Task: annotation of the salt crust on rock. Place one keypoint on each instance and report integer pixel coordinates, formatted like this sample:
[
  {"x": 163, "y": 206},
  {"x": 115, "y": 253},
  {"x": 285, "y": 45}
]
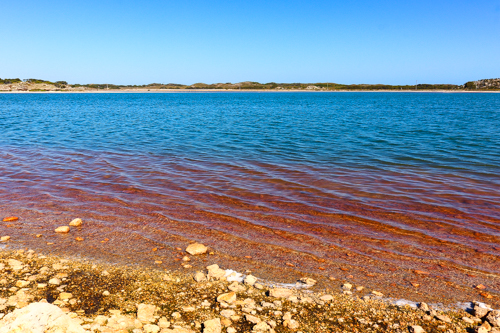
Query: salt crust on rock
[{"x": 39, "y": 318}]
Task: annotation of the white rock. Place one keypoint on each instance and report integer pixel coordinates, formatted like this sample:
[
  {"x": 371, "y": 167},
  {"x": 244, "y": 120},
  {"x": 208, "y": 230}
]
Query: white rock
[
  {"x": 326, "y": 298},
  {"x": 39, "y": 318}
]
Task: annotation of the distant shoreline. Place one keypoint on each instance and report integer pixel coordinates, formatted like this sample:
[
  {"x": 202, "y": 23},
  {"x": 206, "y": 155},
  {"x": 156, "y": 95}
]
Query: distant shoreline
[{"x": 115, "y": 91}]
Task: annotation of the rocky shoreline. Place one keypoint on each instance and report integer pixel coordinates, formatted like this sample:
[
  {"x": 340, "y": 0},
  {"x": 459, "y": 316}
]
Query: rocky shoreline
[{"x": 49, "y": 294}]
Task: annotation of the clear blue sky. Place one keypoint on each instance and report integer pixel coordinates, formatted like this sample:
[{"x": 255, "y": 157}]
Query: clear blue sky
[{"x": 138, "y": 42}]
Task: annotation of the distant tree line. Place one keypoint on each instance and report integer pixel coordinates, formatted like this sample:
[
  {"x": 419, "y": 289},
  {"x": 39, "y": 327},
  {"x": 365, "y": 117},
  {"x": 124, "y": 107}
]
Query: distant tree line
[{"x": 490, "y": 84}]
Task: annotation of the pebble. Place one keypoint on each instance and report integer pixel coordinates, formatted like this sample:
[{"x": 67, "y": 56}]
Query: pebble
[
  {"x": 55, "y": 281},
  {"x": 4, "y": 238},
  {"x": 10, "y": 218},
  {"x": 252, "y": 319},
  {"x": 347, "y": 286},
  {"x": 76, "y": 222},
  {"x": 65, "y": 296},
  {"x": 64, "y": 229},
  {"x": 196, "y": 249}
]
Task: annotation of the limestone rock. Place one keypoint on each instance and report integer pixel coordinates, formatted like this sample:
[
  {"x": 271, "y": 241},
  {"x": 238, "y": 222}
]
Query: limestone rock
[
  {"x": 55, "y": 281},
  {"x": 308, "y": 281},
  {"x": 494, "y": 318},
  {"x": 347, "y": 286},
  {"x": 481, "y": 329},
  {"x": 280, "y": 292},
  {"x": 326, "y": 298},
  {"x": 227, "y": 313},
  {"x": 252, "y": 319},
  {"x": 261, "y": 327},
  {"x": 236, "y": 287},
  {"x": 212, "y": 326},
  {"x": 416, "y": 329},
  {"x": 444, "y": 318},
  {"x": 250, "y": 280},
  {"x": 479, "y": 311},
  {"x": 164, "y": 322},
  {"x": 145, "y": 312},
  {"x": 176, "y": 330},
  {"x": 76, "y": 222},
  {"x": 291, "y": 324},
  {"x": 228, "y": 297},
  {"x": 423, "y": 306},
  {"x": 39, "y": 318},
  {"x": 65, "y": 295},
  {"x": 22, "y": 283},
  {"x": 215, "y": 272},
  {"x": 63, "y": 230},
  {"x": 199, "y": 277},
  {"x": 4, "y": 238},
  {"x": 196, "y": 248},
  {"x": 15, "y": 264},
  {"x": 149, "y": 328}
]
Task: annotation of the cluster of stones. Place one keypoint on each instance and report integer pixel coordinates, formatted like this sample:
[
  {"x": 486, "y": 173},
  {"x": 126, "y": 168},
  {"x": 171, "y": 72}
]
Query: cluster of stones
[
  {"x": 488, "y": 319},
  {"x": 62, "y": 229},
  {"x": 209, "y": 302}
]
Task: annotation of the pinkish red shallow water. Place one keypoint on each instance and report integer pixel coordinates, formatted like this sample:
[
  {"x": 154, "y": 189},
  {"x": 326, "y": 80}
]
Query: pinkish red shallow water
[{"x": 373, "y": 227}]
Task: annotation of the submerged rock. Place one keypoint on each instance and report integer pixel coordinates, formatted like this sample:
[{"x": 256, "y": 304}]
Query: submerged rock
[
  {"x": 196, "y": 248},
  {"x": 76, "y": 222}
]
